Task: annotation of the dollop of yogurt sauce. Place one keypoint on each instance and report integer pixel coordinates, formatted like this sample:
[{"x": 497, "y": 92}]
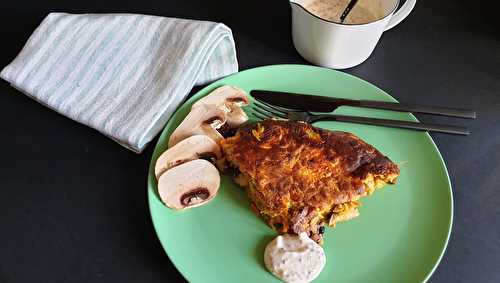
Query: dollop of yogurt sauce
[{"x": 294, "y": 258}]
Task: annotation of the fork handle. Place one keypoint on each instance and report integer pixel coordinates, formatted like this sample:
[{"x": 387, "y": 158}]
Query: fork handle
[
  {"x": 415, "y": 108},
  {"x": 392, "y": 123}
]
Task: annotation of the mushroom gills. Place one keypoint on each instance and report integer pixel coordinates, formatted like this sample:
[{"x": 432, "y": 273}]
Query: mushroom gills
[
  {"x": 230, "y": 100},
  {"x": 236, "y": 116},
  {"x": 208, "y": 156},
  {"x": 195, "y": 196},
  {"x": 189, "y": 185},
  {"x": 238, "y": 101},
  {"x": 191, "y": 148},
  {"x": 203, "y": 120}
]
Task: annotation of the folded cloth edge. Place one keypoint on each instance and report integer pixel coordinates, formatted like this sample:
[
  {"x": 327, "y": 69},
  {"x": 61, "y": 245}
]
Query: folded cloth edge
[{"x": 155, "y": 126}]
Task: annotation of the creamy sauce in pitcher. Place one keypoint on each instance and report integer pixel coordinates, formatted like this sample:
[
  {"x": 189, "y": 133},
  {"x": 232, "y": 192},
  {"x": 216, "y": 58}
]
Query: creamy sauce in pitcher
[{"x": 332, "y": 10}]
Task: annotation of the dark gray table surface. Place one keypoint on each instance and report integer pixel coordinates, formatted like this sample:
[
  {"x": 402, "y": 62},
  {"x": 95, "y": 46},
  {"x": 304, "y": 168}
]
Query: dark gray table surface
[{"x": 73, "y": 203}]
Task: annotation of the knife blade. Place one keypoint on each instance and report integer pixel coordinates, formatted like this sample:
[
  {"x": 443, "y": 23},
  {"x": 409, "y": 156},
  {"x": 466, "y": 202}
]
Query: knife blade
[{"x": 316, "y": 103}]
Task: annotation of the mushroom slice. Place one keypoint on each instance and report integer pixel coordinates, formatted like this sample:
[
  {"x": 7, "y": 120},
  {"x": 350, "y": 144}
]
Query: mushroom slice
[
  {"x": 188, "y": 185},
  {"x": 203, "y": 120},
  {"x": 194, "y": 147},
  {"x": 230, "y": 99}
]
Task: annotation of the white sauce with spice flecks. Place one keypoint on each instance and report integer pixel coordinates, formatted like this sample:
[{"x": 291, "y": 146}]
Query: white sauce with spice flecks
[{"x": 294, "y": 258}]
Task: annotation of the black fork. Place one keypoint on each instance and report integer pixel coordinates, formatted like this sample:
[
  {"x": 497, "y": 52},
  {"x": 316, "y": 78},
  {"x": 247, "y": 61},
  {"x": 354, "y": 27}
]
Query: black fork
[{"x": 263, "y": 110}]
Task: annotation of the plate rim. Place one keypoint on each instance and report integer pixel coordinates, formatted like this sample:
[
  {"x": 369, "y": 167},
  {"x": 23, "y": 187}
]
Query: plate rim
[{"x": 193, "y": 98}]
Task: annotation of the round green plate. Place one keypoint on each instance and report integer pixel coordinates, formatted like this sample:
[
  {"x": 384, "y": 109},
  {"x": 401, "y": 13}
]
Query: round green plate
[{"x": 400, "y": 235}]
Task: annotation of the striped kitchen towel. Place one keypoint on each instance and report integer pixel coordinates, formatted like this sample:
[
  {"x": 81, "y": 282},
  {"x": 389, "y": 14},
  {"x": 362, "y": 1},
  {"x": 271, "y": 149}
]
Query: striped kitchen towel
[{"x": 121, "y": 74}]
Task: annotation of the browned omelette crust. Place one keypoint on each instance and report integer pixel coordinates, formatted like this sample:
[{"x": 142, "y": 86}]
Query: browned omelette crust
[{"x": 300, "y": 178}]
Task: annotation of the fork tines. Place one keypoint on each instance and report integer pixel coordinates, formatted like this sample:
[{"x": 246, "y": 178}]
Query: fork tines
[{"x": 264, "y": 110}]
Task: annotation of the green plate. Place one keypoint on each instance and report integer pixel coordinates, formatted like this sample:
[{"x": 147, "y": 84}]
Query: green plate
[{"x": 400, "y": 235}]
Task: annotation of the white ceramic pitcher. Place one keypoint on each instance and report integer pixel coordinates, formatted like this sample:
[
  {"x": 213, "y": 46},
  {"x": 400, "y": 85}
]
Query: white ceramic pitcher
[{"x": 339, "y": 45}]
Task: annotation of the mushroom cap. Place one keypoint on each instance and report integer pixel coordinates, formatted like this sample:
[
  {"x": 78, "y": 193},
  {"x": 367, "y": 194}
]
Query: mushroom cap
[
  {"x": 230, "y": 99},
  {"x": 194, "y": 147},
  {"x": 203, "y": 120},
  {"x": 189, "y": 185},
  {"x": 222, "y": 95}
]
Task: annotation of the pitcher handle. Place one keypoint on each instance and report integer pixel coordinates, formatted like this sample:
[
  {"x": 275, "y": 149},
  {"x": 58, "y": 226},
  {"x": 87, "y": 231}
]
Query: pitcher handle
[{"x": 401, "y": 14}]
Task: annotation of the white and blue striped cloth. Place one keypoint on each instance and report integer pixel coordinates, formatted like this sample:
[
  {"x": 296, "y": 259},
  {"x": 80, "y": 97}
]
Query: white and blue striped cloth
[{"x": 121, "y": 74}]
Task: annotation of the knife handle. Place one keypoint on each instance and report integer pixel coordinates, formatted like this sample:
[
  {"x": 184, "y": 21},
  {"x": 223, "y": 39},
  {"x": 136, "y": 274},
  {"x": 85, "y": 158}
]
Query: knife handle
[
  {"x": 317, "y": 103},
  {"x": 415, "y": 108},
  {"x": 392, "y": 123}
]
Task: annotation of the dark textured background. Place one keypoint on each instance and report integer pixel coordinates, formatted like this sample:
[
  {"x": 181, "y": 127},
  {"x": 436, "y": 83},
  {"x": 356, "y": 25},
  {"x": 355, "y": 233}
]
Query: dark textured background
[{"x": 73, "y": 203}]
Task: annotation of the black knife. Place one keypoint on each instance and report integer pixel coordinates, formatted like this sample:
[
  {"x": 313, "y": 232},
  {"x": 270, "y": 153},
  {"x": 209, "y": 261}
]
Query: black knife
[{"x": 316, "y": 103}]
